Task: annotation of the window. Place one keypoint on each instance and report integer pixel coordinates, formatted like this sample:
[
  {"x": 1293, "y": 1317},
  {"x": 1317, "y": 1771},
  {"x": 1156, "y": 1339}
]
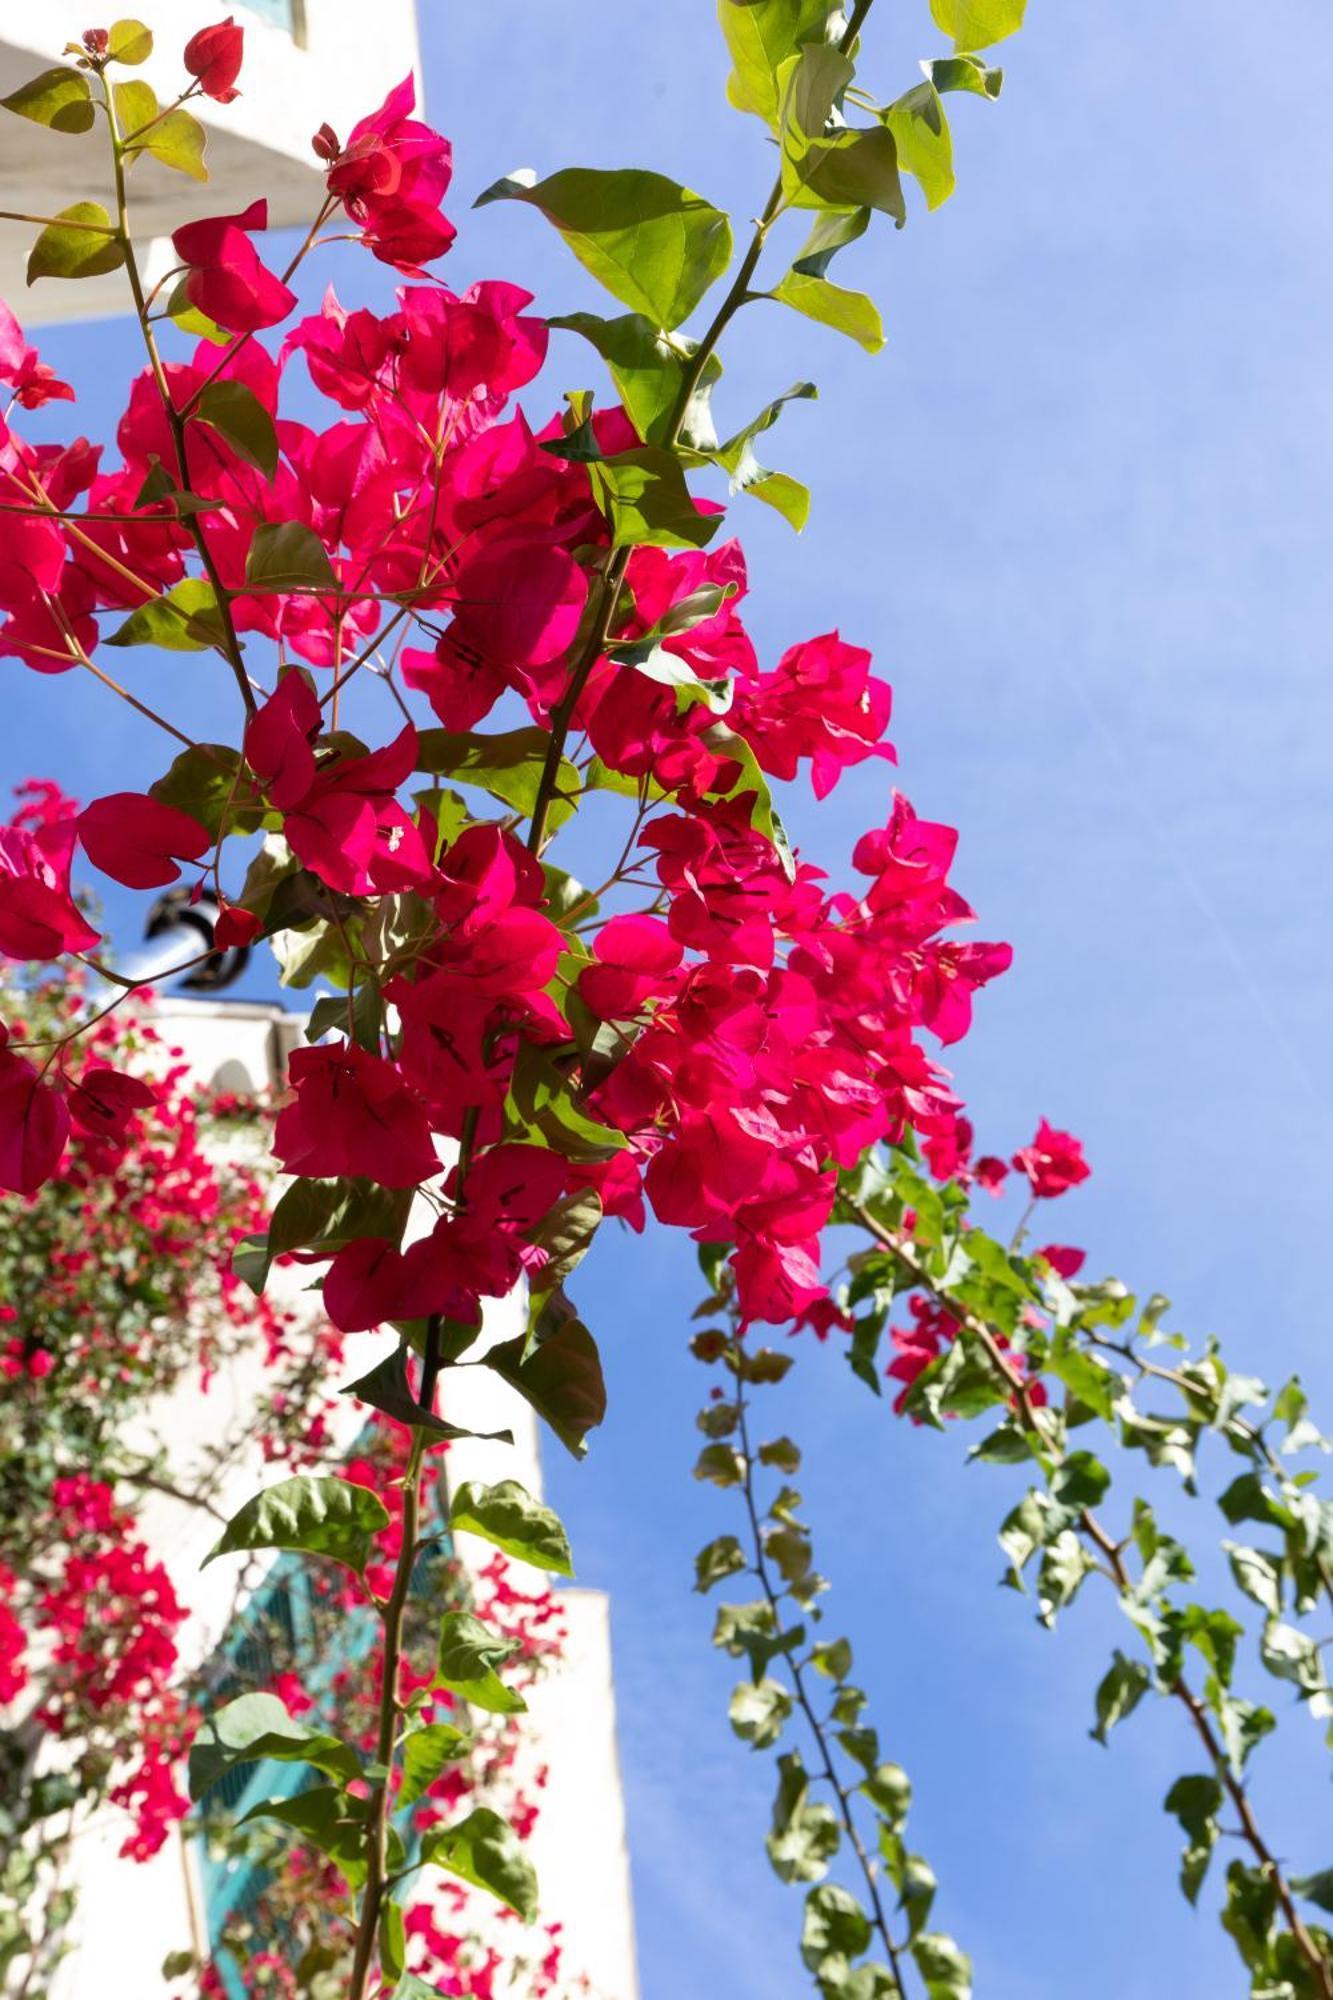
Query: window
[{"x": 283, "y": 1628}]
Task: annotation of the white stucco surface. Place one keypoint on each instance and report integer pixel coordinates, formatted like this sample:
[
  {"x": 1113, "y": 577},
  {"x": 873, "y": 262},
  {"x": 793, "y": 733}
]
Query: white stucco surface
[{"x": 131, "y": 1916}]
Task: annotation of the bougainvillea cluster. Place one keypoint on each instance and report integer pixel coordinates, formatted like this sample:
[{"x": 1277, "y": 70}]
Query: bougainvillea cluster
[
  {"x": 455, "y": 1940},
  {"x": 522, "y": 615},
  {"x": 115, "y": 1287},
  {"x": 1051, "y": 1164}
]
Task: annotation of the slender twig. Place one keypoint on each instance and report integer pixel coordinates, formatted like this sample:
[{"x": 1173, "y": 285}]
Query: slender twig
[
  {"x": 1030, "y": 1418},
  {"x": 816, "y": 1726},
  {"x": 175, "y": 420},
  {"x": 738, "y": 294}
]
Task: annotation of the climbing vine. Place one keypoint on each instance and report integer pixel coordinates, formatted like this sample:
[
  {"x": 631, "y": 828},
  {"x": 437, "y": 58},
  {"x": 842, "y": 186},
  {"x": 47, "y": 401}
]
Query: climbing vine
[{"x": 508, "y": 1056}]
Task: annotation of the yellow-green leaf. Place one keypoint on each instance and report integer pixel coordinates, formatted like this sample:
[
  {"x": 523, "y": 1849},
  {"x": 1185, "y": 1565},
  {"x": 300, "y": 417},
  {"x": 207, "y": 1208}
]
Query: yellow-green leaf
[
  {"x": 60, "y": 98},
  {"x": 129, "y": 42},
  {"x": 975, "y": 24},
  {"x": 846, "y": 312},
  {"x": 921, "y": 133},
  {"x": 80, "y": 243},
  {"x": 179, "y": 141},
  {"x": 656, "y": 246}
]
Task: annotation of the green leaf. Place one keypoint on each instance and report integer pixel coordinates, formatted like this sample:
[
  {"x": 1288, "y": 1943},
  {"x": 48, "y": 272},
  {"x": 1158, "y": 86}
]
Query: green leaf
[
  {"x": 810, "y": 84},
  {"x": 327, "y": 1215},
  {"x": 1080, "y": 1480},
  {"x": 179, "y": 141},
  {"x": 758, "y": 1711},
  {"x": 566, "y": 1234},
  {"x": 1258, "y": 1574},
  {"x": 846, "y": 312},
  {"x": 508, "y": 1516},
  {"x": 322, "y": 1517},
  {"x": 803, "y": 1836},
  {"x": 644, "y": 496},
  {"x": 781, "y": 1453},
  {"x": 328, "y": 1820},
  {"x": 185, "y": 620},
  {"x": 562, "y": 1379},
  {"x": 136, "y": 105},
  {"x": 508, "y": 765},
  {"x": 205, "y": 782},
  {"x": 386, "y": 1387},
  {"x": 409, "y": 1987},
  {"x": 1122, "y": 1688},
  {"x": 964, "y": 73},
  {"x": 654, "y": 245},
  {"x": 1195, "y": 1801},
  {"x": 286, "y": 555},
  {"x": 761, "y": 35},
  {"x": 921, "y": 134},
  {"x": 738, "y": 458},
  {"x": 975, "y": 24},
  {"x": 889, "y": 1790},
  {"x": 648, "y": 368},
  {"x": 392, "y": 1939},
  {"x": 81, "y": 243},
  {"x": 255, "y": 1728},
  {"x": 720, "y": 1464},
  {"x": 237, "y": 414},
  {"x": 721, "y": 1558},
  {"x": 1292, "y": 1655},
  {"x": 946, "y": 1970},
  {"x": 60, "y": 98},
  {"x": 851, "y": 170},
  {"x": 1251, "y": 1907},
  {"x": 484, "y": 1849},
  {"x": 835, "y": 1928},
  {"x": 128, "y": 42},
  {"x": 469, "y": 1654},
  {"x": 829, "y": 233},
  {"x": 426, "y": 1751},
  {"x": 542, "y": 1110}
]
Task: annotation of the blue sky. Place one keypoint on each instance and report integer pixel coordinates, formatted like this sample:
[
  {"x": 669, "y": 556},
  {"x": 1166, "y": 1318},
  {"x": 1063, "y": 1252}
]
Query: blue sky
[{"x": 1080, "y": 509}]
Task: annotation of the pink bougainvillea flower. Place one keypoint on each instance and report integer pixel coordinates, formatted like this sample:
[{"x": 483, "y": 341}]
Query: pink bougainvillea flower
[
  {"x": 990, "y": 1173},
  {"x": 278, "y": 741},
  {"x": 350, "y": 829},
  {"x": 517, "y": 607},
  {"x": 1064, "y": 1259},
  {"x": 39, "y": 918},
  {"x": 235, "y": 926},
  {"x": 473, "y": 1254},
  {"x": 820, "y": 705},
  {"x": 391, "y": 177},
  {"x": 226, "y": 279},
  {"x": 635, "y": 958},
  {"x": 26, "y": 373},
  {"x": 34, "y": 1125},
  {"x": 353, "y": 1114},
  {"x": 1053, "y": 1162},
  {"x": 213, "y": 58},
  {"x": 139, "y": 841},
  {"x": 104, "y": 1100}
]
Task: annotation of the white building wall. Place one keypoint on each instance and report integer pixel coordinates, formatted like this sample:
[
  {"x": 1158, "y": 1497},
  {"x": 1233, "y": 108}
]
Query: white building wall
[
  {"x": 132, "y": 1915},
  {"x": 349, "y": 54}
]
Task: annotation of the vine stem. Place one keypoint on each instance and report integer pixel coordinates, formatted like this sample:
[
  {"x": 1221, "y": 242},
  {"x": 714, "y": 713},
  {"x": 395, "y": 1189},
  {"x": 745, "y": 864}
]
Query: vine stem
[
  {"x": 386, "y": 1741},
  {"x": 816, "y": 1726},
  {"x": 1191, "y": 1391},
  {"x": 738, "y": 294},
  {"x": 394, "y": 1613},
  {"x": 175, "y": 421},
  {"x": 1109, "y": 1549}
]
